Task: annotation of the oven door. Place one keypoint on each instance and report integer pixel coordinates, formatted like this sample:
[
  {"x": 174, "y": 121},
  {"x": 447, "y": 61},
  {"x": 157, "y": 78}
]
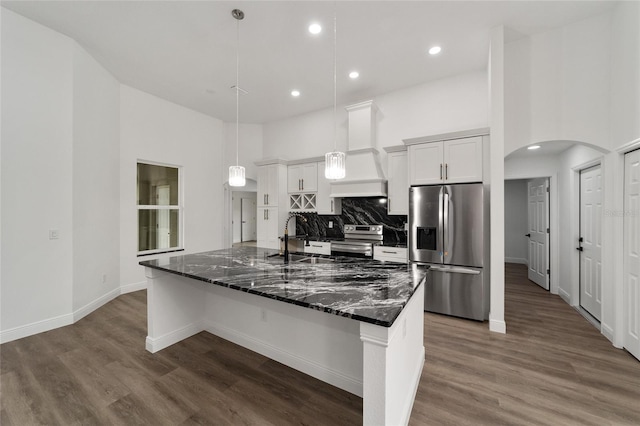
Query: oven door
[{"x": 345, "y": 248}]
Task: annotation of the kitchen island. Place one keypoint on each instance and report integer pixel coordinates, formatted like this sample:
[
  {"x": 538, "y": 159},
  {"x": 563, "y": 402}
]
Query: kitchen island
[{"x": 356, "y": 324}]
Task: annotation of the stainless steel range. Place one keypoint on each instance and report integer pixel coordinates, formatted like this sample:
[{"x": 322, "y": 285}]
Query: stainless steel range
[{"x": 358, "y": 240}]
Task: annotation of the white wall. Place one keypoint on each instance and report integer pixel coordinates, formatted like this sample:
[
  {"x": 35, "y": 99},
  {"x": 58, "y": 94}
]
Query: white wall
[
  {"x": 96, "y": 183},
  {"x": 515, "y": 221},
  {"x": 37, "y": 141},
  {"x": 625, "y": 73},
  {"x": 153, "y": 129},
  {"x": 446, "y": 105},
  {"x": 558, "y": 85}
]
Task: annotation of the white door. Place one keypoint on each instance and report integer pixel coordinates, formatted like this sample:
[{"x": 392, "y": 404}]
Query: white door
[
  {"x": 590, "y": 240},
  {"x": 248, "y": 219},
  {"x": 631, "y": 281},
  {"x": 163, "y": 224},
  {"x": 538, "y": 219}
]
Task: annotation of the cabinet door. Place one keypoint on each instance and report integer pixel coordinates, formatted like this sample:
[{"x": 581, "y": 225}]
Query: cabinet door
[
  {"x": 263, "y": 185},
  {"x": 294, "y": 179},
  {"x": 463, "y": 160},
  {"x": 310, "y": 177},
  {"x": 267, "y": 228},
  {"x": 273, "y": 188},
  {"x": 398, "y": 198},
  {"x": 425, "y": 164},
  {"x": 324, "y": 203}
]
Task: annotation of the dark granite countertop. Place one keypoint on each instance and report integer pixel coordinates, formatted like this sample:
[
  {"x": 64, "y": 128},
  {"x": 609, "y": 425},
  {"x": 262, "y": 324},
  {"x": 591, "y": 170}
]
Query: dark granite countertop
[{"x": 362, "y": 289}]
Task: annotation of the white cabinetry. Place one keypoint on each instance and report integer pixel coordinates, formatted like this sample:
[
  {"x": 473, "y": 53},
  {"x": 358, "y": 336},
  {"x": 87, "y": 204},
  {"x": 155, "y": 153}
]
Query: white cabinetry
[
  {"x": 325, "y": 204},
  {"x": 318, "y": 247},
  {"x": 390, "y": 254},
  {"x": 271, "y": 184},
  {"x": 272, "y": 202},
  {"x": 450, "y": 161},
  {"x": 302, "y": 178},
  {"x": 267, "y": 227},
  {"x": 398, "y": 185}
]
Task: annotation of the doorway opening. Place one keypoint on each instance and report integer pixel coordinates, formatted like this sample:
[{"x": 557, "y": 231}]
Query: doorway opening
[{"x": 527, "y": 228}]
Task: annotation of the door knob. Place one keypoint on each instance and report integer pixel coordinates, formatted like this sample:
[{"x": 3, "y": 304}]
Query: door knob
[
  {"x": 579, "y": 249},
  {"x": 528, "y": 235}
]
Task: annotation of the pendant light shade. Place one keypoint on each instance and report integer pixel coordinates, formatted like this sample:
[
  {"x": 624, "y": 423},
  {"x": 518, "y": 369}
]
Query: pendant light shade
[
  {"x": 335, "y": 162},
  {"x": 334, "y": 165},
  {"x": 236, "y": 173},
  {"x": 236, "y": 176}
]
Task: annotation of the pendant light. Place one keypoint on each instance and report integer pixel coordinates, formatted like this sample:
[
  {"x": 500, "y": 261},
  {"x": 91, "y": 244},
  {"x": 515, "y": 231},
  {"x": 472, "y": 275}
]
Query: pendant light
[
  {"x": 236, "y": 173},
  {"x": 335, "y": 161}
]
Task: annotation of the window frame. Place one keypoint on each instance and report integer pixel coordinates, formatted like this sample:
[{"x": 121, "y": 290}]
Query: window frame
[{"x": 179, "y": 208}]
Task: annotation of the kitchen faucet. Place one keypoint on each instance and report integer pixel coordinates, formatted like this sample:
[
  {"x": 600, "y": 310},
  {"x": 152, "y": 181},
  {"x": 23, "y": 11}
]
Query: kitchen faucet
[{"x": 286, "y": 234}]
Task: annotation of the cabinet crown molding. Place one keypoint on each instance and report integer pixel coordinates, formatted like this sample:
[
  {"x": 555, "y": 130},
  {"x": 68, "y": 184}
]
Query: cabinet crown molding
[{"x": 482, "y": 131}]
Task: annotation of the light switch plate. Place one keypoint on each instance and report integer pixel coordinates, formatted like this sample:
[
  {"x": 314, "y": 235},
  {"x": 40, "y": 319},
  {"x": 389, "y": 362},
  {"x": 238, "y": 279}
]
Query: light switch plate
[{"x": 54, "y": 234}]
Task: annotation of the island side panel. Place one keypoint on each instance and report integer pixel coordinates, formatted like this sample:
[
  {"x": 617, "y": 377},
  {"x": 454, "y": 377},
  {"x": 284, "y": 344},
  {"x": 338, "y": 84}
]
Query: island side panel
[
  {"x": 175, "y": 308},
  {"x": 320, "y": 344},
  {"x": 393, "y": 362}
]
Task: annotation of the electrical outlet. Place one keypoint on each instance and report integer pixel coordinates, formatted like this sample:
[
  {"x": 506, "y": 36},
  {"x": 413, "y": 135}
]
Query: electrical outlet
[
  {"x": 330, "y": 224},
  {"x": 54, "y": 234},
  {"x": 263, "y": 315},
  {"x": 104, "y": 278},
  {"x": 404, "y": 328}
]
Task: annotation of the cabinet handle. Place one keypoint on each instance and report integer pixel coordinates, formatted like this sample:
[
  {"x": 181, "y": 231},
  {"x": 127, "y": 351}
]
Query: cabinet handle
[
  {"x": 440, "y": 171},
  {"x": 302, "y": 184},
  {"x": 446, "y": 171},
  {"x": 267, "y": 214},
  {"x": 389, "y": 252},
  {"x": 267, "y": 203},
  {"x": 264, "y": 215},
  {"x": 388, "y": 204},
  {"x": 264, "y": 199},
  {"x": 332, "y": 206}
]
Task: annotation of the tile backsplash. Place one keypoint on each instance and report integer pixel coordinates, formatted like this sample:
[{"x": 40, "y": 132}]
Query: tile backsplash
[{"x": 358, "y": 211}]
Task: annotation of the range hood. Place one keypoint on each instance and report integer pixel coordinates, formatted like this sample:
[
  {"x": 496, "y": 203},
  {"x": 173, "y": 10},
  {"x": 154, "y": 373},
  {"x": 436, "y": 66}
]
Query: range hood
[{"x": 364, "y": 175}]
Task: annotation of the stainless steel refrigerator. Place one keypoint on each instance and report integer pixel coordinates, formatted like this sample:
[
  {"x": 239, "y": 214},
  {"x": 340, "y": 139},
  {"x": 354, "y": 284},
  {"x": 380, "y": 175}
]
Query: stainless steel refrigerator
[{"x": 447, "y": 231}]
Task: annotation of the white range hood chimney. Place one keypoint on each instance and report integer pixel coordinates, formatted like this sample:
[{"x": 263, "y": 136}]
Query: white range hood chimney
[{"x": 364, "y": 177}]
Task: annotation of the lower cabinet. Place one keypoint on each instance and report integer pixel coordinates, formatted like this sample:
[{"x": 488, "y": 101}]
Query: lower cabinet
[
  {"x": 267, "y": 228},
  {"x": 390, "y": 254},
  {"x": 317, "y": 247}
]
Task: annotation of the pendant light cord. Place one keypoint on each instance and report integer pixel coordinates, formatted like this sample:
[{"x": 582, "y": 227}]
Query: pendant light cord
[
  {"x": 335, "y": 79},
  {"x": 237, "y": 90}
]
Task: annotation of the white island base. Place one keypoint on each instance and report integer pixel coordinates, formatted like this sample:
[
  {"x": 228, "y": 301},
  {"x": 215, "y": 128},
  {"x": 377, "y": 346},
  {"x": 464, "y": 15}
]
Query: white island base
[{"x": 381, "y": 364}]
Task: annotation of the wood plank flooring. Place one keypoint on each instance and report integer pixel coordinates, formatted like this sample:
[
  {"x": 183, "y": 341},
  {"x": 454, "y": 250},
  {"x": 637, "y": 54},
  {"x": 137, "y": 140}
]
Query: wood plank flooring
[{"x": 552, "y": 368}]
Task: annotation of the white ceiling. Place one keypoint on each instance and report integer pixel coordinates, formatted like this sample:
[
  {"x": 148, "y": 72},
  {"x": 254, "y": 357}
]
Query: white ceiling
[{"x": 184, "y": 51}]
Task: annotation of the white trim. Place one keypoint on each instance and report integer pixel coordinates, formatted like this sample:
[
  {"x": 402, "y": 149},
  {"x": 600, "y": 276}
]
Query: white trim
[
  {"x": 35, "y": 328},
  {"x": 95, "y": 304},
  {"x": 294, "y": 361},
  {"x": 129, "y": 288},
  {"x": 154, "y": 345},
  {"x": 497, "y": 326},
  {"x": 628, "y": 147},
  {"x": 516, "y": 260},
  {"x": 408, "y": 406},
  {"x": 564, "y": 296}
]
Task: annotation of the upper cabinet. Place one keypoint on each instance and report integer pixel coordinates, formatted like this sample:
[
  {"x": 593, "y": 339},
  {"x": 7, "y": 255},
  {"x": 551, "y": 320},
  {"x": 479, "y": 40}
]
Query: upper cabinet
[
  {"x": 450, "y": 161},
  {"x": 398, "y": 181},
  {"x": 302, "y": 178},
  {"x": 271, "y": 184}
]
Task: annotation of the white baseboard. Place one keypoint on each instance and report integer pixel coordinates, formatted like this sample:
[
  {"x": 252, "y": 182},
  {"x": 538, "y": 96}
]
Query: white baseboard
[
  {"x": 159, "y": 343},
  {"x": 128, "y": 288},
  {"x": 607, "y": 331},
  {"x": 516, "y": 260},
  {"x": 497, "y": 326},
  {"x": 92, "y": 306},
  {"x": 565, "y": 296},
  {"x": 35, "y": 328},
  {"x": 409, "y": 403},
  {"x": 309, "y": 367}
]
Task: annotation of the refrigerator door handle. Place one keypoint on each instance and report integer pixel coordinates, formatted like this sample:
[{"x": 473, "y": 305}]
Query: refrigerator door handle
[
  {"x": 440, "y": 236},
  {"x": 445, "y": 229},
  {"x": 455, "y": 270}
]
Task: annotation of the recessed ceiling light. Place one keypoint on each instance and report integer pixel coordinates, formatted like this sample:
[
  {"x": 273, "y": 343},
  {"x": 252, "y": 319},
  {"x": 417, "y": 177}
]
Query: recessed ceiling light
[
  {"x": 533, "y": 147},
  {"x": 354, "y": 74},
  {"x": 315, "y": 28},
  {"x": 295, "y": 93},
  {"x": 435, "y": 50}
]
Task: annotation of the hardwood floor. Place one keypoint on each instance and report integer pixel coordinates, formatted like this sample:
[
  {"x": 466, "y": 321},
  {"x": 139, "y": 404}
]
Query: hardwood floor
[{"x": 552, "y": 368}]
